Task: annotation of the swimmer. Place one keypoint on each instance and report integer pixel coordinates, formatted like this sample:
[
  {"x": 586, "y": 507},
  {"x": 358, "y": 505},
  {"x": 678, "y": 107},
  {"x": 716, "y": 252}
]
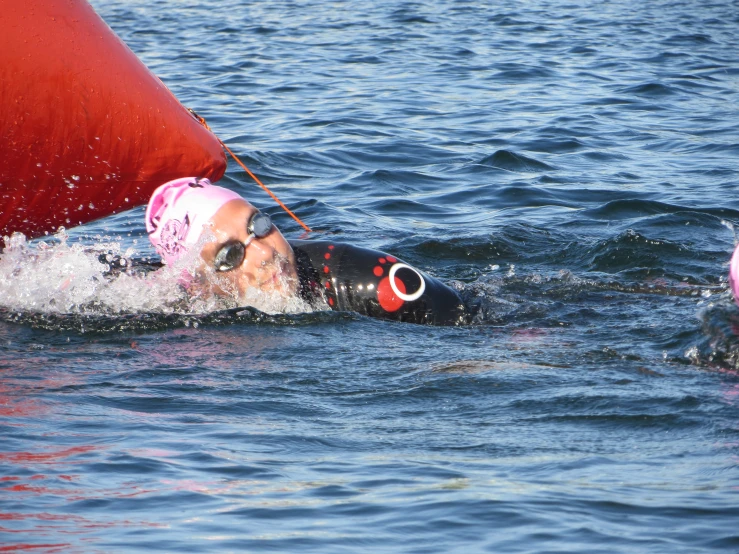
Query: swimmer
[{"x": 236, "y": 248}]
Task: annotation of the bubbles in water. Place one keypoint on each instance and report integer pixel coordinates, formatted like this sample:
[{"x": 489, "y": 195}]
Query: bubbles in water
[{"x": 692, "y": 354}]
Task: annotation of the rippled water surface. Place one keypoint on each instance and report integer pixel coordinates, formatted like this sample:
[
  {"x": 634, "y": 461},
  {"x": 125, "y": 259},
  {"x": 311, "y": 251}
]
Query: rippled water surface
[{"x": 571, "y": 167}]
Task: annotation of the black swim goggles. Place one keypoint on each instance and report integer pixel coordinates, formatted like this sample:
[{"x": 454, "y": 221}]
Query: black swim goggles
[{"x": 232, "y": 254}]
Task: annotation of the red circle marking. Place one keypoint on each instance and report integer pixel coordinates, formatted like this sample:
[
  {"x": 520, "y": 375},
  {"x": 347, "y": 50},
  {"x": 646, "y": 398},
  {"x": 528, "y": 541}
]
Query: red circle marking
[
  {"x": 382, "y": 260},
  {"x": 326, "y": 269},
  {"x": 330, "y": 301},
  {"x": 377, "y": 271},
  {"x": 330, "y": 246},
  {"x": 328, "y": 285},
  {"x": 391, "y": 259},
  {"x": 386, "y": 297},
  {"x": 327, "y": 255}
]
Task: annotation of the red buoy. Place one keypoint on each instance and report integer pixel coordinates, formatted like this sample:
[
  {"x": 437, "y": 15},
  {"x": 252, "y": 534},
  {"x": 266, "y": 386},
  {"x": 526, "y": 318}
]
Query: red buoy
[{"x": 86, "y": 130}]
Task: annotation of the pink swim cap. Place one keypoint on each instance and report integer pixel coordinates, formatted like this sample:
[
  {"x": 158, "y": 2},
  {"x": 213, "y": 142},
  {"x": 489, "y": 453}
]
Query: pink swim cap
[
  {"x": 177, "y": 212},
  {"x": 734, "y": 275}
]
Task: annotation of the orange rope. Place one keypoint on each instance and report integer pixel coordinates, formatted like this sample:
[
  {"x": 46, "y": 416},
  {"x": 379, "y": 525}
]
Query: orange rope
[{"x": 295, "y": 217}]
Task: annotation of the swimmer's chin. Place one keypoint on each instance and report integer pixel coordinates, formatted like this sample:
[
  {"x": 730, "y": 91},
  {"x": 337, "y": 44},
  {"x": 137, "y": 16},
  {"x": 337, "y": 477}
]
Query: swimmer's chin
[
  {"x": 279, "y": 278},
  {"x": 274, "y": 291},
  {"x": 280, "y": 283}
]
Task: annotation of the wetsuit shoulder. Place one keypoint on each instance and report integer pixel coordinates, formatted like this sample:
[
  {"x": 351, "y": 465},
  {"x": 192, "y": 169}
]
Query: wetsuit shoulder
[{"x": 375, "y": 284}]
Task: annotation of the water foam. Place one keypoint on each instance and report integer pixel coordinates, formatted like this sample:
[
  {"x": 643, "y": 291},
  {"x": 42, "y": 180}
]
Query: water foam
[{"x": 61, "y": 277}]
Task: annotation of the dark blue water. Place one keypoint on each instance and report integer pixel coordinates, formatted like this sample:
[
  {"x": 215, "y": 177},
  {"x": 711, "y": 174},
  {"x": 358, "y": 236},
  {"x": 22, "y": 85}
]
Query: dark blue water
[{"x": 571, "y": 167}]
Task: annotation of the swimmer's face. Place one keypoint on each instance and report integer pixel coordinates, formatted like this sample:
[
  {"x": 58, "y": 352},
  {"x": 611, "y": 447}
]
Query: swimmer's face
[{"x": 269, "y": 262}]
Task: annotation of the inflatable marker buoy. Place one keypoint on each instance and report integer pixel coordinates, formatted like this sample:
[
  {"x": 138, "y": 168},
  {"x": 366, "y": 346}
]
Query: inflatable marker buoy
[{"x": 86, "y": 129}]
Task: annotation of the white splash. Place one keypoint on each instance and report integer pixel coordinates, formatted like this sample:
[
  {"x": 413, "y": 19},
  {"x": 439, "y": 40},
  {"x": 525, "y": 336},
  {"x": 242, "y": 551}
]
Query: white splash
[{"x": 63, "y": 277}]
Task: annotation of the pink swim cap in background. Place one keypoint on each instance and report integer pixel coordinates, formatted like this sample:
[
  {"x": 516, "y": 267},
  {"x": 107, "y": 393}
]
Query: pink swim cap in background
[
  {"x": 734, "y": 275},
  {"x": 177, "y": 212}
]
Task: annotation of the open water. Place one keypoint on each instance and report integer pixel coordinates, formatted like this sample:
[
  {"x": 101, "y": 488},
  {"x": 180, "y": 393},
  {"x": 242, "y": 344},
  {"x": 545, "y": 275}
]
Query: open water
[{"x": 571, "y": 166}]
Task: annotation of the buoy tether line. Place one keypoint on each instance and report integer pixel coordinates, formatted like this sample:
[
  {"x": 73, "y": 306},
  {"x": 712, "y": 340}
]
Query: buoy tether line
[{"x": 238, "y": 161}]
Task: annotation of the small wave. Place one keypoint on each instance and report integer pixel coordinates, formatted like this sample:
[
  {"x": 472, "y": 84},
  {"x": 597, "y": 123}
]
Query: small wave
[
  {"x": 524, "y": 74},
  {"x": 407, "y": 16},
  {"x": 362, "y": 59},
  {"x": 505, "y": 20},
  {"x": 650, "y": 90},
  {"x": 637, "y": 208},
  {"x": 631, "y": 208},
  {"x": 633, "y": 254},
  {"x": 527, "y": 196},
  {"x": 688, "y": 40},
  {"x": 555, "y": 146},
  {"x": 582, "y": 50},
  {"x": 511, "y": 161}
]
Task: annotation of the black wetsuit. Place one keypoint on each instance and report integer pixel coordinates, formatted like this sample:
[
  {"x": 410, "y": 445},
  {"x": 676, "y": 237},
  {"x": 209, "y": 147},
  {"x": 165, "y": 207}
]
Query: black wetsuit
[{"x": 373, "y": 283}]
